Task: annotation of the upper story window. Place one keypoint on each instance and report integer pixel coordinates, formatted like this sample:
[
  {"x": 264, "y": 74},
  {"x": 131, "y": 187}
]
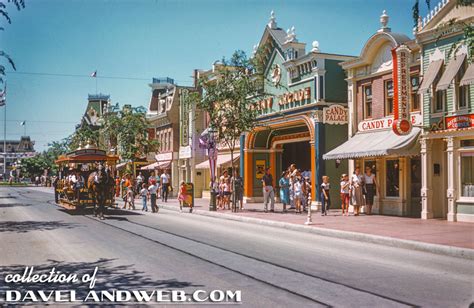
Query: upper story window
[
  {"x": 290, "y": 54},
  {"x": 415, "y": 98},
  {"x": 388, "y": 97},
  {"x": 462, "y": 92},
  {"x": 367, "y": 101},
  {"x": 439, "y": 101}
]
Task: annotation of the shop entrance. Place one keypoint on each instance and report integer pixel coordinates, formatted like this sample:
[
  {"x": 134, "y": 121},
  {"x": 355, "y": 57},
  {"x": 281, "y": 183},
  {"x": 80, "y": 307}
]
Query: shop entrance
[{"x": 298, "y": 153}]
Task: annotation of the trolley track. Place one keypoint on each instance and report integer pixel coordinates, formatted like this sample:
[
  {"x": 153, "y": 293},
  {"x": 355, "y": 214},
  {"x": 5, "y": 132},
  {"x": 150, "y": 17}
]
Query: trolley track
[{"x": 279, "y": 266}]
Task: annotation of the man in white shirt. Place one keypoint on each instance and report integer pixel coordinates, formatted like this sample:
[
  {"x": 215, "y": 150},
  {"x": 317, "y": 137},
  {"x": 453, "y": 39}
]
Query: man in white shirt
[
  {"x": 165, "y": 184},
  {"x": 152, "y": 189}
]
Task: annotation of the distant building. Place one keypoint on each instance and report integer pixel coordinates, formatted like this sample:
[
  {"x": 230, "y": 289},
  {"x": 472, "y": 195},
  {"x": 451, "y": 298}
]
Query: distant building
[
  {"x": 97, "y": 106},
  {"x": 16, "y": 150}
]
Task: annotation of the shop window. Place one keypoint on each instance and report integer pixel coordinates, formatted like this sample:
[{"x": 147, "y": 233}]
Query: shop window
[
  {"x": 321, "y": 87},
  {"x": 393, "y": 178},
  {"x": 415, "y": 98},
  {"x": 389, "y": 97},
  {"x": 415, "y": 177},
  {"x": 439, "y": 101},
  {"x": 467, "y": 174},
  {"x": 367, "y": 102},
  {"x": 372, "y": 165},
  {"x": 463, "y": 97}
]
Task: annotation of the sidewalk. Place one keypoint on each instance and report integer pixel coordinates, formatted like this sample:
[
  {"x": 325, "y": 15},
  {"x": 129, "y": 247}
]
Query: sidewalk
[
  {"x": 433, "y": 231},
  {"x": 433, "y": 235}
]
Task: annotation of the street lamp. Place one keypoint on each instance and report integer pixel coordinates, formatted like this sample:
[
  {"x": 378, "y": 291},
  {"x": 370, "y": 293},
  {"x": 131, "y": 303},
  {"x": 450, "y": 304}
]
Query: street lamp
[{"x": 212, "y": 154}]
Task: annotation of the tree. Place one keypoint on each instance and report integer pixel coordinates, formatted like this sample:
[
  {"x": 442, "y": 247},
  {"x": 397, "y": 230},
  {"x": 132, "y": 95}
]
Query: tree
[
  {"x": 229, "y": 99},
  {"x": 127, "y": 130},
  {"x": 36, "y": 165},
  {"x": 82, "y": 136},
  {"x": 20, "y": 4}
]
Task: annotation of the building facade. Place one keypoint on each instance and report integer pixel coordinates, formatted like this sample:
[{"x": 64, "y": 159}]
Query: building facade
[
  {"x": 382, "y": 90},
  {"x": 15, "y": 151},
  {"x": 192, "y": 124},
  {"x": 303, "y": 116},
  {"x": 447, "y": 93},
  {"x": 163, "y": 116}
]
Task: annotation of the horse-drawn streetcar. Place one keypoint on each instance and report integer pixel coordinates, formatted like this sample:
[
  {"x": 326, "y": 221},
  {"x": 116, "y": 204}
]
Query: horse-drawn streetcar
[{"x": 86, "y": 179}]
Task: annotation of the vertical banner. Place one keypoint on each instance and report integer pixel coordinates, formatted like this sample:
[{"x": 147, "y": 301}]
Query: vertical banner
[{"x": 401, "y": 88}]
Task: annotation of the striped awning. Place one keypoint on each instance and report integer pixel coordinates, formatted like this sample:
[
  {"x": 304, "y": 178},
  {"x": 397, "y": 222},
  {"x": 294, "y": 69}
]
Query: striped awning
[
  {"x": 451, "y": 70},
  {"x": 379, "y": 143},
  {"x": 468, "y": 77},
  {"x": 429, "y": 76},
  {"x": 222, "y": 159}
]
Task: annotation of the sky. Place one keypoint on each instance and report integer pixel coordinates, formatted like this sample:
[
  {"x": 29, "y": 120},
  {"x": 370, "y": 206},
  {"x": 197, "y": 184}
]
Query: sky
[{"x": 141, "y": 39}]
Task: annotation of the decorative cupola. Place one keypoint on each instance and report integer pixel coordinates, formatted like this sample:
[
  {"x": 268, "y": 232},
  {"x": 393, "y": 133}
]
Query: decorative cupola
[
  {"x": 384, "y": 22},
  {"x": 272, "y": 23},
  {"x": 292, "y": 48}
]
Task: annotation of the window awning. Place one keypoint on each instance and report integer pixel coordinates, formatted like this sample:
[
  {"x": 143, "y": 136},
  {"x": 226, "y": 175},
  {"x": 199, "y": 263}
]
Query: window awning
[
  {"x": 380, "y": 143},
  {"x": 157, "y": 165},
  {"x": 429, "y": 76},
  {"x": 451, "y": 70},
  {"x": 222, "y": 159},
  {"x": 468, "y": 77}
]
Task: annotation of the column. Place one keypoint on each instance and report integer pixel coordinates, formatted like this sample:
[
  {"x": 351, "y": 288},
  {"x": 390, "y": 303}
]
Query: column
[
  {"x": 248, "y": 179},
  {"x": 319, "y": 149},
  {"x": 426, "y": 175},
  {"x": 452, "y": 145},
  {"x": 242, "y": 156}
]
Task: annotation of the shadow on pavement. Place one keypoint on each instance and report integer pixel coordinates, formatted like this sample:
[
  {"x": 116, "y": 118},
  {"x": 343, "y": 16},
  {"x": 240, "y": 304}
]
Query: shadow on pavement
[
  {"x": 14, "y": 205},
  {"x": 27, "y": 226},
  {"x": 109, "y": 277},
  {"x": 90, "y": 211}
]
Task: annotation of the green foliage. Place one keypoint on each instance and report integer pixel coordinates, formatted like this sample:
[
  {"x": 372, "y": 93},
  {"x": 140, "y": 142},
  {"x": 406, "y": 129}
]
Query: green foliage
[
  {"x": 35, "y": 166},
  {"x": 82, "y": 136},
  {"x": 19, "y": 4},
  {"x": 127, "y": 131}
]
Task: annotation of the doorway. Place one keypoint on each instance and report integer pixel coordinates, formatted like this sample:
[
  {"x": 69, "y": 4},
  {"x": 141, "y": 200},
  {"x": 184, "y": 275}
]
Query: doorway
[{"x": 298, "y": 153}]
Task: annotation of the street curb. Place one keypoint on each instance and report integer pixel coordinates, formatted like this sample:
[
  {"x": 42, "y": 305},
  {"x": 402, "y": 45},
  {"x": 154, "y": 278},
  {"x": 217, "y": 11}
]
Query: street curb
[{"x": 464, "y": 253}]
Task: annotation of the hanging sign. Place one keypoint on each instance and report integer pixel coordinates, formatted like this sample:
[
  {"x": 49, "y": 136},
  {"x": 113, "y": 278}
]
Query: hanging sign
[
  {"x": 401, "y": 86},
  {"x": 335, "y": 114}
]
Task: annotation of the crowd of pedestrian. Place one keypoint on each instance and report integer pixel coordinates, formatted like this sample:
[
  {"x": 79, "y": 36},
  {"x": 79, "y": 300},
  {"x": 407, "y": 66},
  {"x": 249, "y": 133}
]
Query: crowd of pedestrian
[{"x": 149, "y": 189}]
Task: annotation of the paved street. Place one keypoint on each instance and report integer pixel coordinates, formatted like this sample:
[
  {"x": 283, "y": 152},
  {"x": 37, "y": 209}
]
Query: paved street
[{"x": 272, "y": 267}]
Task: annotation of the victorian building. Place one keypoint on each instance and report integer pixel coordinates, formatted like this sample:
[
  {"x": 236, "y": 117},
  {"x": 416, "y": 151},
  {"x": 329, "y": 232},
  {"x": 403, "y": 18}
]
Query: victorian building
[
  {"x": 447, "y": 92},
  {"x": 15, "y": 151},
  {"x": 97, "y": 107},
  {"x": 385, "y": 119},
  {"x": 163, "y": 115},
  {"x": 191, "y": 124},
  {"x": 303, "y": 116}
]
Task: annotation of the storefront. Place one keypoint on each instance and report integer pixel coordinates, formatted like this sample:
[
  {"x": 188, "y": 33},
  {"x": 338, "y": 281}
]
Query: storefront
[
  {"x": 447, "y": 91},
  {"x": 304, "y": 115},
  {"x": 385, "y": 120}
]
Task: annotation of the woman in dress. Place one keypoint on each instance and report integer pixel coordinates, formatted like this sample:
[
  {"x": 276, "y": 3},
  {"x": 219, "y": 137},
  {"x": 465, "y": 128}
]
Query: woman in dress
[
  {"x": 357, "y": 182},
  {"x": 284, "y": 184},
  {"x": 370, "y": 185}
]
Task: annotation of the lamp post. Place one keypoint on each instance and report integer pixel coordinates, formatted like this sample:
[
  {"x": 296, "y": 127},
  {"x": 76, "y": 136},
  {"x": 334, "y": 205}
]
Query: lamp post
[
  {"x": 212, "y": 154},
  {"x": 309, "y": 220}
]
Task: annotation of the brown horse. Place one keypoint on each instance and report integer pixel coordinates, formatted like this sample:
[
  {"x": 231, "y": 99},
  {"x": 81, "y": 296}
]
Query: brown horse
[{"x": 100, "y": 187}]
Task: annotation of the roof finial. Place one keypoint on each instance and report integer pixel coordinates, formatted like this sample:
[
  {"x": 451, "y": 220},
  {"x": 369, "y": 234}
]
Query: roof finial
[
  {"x": 272, "y": 23},
  {"x": 291, "y": 35},
  {"x": 384, "y": 21},
  {"x": 315, "y": 46}
]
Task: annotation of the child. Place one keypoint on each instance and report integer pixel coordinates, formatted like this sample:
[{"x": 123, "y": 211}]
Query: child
[
  {"x": 325, "y": 199},
  {"x": 345, "y": 194},
  {"x": 182, "y": 196},
  {"x": 298, "y": 194},
  {"x": 227, "y": 193},
  {"x": 144, "y": 194}
]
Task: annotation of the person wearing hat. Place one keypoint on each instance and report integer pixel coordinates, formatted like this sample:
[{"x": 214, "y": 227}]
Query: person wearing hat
[{"x": 268, "y": 191}]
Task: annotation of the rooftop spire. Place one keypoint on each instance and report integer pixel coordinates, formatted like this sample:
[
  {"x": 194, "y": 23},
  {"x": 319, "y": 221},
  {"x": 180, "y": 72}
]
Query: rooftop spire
[
  {"x": 272, "y": 23},
  {"x": 383, "y": 22}
]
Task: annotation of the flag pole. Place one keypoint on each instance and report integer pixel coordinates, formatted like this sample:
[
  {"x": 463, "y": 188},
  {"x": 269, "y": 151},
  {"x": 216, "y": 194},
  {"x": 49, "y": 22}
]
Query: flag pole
[{"x": 5, "y": 142}]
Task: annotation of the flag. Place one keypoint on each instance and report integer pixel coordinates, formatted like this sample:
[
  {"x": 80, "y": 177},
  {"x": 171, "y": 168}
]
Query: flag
[
  {"x": 3, "y": 96},
  {"x": 94, "y": 74},
  {"x": 23, "y": 123}
]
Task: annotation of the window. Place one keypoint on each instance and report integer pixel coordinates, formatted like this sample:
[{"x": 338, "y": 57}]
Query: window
[
  {"x": 367, "y": 101},
  {"x": 415, "y": 98},
  {"x": 462, "y": 91},
  {"x": 388, "y": 97},
  {"x": 467, "y": 174},
  {"x": 393, "y": 178},
  {"x": 439, "y": 101}
]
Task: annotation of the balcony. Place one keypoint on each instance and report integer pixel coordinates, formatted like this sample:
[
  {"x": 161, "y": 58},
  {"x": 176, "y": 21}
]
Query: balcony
[{"x": 160, "y": 80}]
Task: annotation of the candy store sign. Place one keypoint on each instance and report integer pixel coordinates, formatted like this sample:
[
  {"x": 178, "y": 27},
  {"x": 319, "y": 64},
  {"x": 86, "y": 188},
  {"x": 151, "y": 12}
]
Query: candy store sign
[
  {"x": 335, "y": 114},
  {"x": 385, "y": 123}
]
